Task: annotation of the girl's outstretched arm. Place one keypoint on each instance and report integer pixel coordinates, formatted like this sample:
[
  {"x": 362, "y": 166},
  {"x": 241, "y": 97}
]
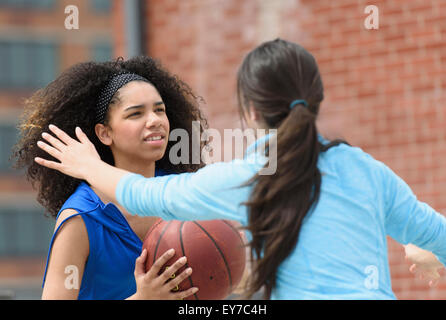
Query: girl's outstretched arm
[
  {"x": 213, "y": 192},
  {"x": 79, "y": 159}
]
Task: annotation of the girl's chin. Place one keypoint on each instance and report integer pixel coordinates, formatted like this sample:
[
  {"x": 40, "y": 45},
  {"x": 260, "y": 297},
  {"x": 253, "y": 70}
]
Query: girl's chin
[{"x": 154, "y": 156}]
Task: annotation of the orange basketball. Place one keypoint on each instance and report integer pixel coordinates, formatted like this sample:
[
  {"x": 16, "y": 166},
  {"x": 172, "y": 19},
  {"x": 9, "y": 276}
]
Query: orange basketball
[{"x": 214, "y": 249}]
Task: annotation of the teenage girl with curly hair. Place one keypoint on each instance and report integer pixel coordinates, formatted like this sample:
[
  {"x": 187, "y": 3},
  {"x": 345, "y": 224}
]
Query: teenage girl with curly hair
[{"x": 127, "y": 109}]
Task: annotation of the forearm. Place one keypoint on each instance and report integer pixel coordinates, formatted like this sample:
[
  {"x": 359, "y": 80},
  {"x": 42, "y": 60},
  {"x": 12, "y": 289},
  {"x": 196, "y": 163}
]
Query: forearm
[
  {"x": 431, "y": 230},
  {"x": 425, "y": 229},
  {"x": 210, "y": 193},
  {"x": 409, "y": 220},
  {"x": 104, "y": 177}
]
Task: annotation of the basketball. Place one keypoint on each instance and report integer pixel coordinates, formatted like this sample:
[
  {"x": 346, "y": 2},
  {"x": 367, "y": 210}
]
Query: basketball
[{"x": 214, "y": 249}]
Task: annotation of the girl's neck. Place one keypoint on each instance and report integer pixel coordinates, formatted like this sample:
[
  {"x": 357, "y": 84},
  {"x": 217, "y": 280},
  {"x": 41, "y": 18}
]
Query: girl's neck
[
  {"x": 146, "y": 169},
  {"x": 138, "y": 224}
]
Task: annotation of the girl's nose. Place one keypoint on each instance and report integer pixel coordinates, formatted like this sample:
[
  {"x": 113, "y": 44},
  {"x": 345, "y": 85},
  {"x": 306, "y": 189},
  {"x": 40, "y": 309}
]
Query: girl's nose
[{"x": 153, "y": 120}]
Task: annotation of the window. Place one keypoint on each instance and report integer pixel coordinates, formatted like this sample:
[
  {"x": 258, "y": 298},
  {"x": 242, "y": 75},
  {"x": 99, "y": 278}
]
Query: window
[
  {"x": 101, "y": 6},
  {"x": 8, "y": 137},
  {"x": 27, "y": 65},
  {"x": 102, "y": 52},
  {"x": 24, "y": 231},
  {"x": 28, "y": 4}
]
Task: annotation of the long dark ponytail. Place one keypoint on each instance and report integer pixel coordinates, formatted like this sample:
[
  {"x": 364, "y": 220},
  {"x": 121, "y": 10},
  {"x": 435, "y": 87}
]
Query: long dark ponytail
[{"x": 270, "y": 78}]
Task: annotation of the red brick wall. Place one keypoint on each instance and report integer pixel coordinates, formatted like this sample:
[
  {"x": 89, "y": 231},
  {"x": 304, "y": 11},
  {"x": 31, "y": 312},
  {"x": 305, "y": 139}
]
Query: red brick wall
[
  {"x": 385, "y": 88},
  {"x": 119, "y": 27}
]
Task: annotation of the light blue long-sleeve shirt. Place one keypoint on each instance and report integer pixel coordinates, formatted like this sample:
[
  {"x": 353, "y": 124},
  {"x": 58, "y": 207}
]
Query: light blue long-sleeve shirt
[{"x": 342, "y": 247}]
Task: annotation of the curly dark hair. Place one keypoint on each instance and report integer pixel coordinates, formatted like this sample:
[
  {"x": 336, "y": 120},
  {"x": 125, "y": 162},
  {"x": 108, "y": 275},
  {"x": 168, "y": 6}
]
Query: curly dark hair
[{"x": 70, "y": 100}]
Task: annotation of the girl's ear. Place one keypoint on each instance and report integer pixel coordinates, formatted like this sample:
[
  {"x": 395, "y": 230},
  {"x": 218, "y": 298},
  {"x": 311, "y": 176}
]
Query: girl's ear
[
  {"x": 252, "y": 113},
  {"x": 103, "y": 133}
]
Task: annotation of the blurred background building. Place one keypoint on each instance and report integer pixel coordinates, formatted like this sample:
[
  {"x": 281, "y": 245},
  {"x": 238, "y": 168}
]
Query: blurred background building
[
  {"x": 384, "y": 88},
  {"x": 34, "y": 48}
]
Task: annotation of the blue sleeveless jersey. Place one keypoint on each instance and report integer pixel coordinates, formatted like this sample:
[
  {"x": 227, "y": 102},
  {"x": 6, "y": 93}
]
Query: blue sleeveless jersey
[{"x": 114, "y": 247}]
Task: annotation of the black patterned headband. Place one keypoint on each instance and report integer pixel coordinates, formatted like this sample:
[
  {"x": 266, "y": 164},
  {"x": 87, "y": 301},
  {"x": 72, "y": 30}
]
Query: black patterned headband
[{"x": 107, "y": 93}]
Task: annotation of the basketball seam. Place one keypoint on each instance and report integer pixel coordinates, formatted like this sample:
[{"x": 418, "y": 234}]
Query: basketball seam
[
  {"x": 159, "y": 240},
  {"x": 221, "y": 253},
  {"x": 184, "y": 254},
  {"x": 235, "y": 230}
]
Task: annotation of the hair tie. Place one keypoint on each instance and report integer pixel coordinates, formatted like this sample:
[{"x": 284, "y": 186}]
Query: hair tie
[{"x": 296, "y": 102}]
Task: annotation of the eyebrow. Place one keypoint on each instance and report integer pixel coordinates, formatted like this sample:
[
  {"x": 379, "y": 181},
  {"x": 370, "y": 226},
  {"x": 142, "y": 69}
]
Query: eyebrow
[
  {"x": 134, "y": 107},
  {"x": 158, "y": 103}
]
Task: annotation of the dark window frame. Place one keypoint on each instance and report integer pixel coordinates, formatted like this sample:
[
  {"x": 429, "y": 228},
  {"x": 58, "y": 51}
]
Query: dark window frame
[
  {"x": 101, "y": 6},
  {"x": 42, "y": 5},
  {"x": 29, "y": 66},
  {"x": 24, "y": 231}
]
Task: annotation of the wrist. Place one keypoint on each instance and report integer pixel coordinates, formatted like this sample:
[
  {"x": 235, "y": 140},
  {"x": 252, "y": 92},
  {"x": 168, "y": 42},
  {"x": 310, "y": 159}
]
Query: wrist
[
  {"x": 438, "y": 263},
  {"x": 91, "y": 169}
]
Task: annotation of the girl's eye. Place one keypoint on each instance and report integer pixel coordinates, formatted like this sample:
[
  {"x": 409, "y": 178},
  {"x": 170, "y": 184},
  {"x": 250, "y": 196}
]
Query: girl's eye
[
  {"x": 160, "y": 110},
  {"x": 135, "y": 114}
]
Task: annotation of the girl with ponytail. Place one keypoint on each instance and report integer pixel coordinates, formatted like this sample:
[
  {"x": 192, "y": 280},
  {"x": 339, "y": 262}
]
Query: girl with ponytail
[
  {"x": 275, "y": 217},
  {"x": 318, "y": 225}
]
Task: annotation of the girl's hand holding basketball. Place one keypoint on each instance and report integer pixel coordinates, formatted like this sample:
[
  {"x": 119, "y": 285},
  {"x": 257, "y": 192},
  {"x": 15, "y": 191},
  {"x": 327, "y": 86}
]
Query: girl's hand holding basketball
[
  {"x": 151, "y": 286},
  {"x": 75, "y": 157}
]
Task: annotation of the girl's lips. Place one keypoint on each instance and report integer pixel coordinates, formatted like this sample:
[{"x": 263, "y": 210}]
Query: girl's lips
[{"x": 155, "y": 142}]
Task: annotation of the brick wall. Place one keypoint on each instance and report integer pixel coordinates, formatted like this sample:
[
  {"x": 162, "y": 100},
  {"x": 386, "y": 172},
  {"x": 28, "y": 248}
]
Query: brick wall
[{"x": 385, "y": 88}]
